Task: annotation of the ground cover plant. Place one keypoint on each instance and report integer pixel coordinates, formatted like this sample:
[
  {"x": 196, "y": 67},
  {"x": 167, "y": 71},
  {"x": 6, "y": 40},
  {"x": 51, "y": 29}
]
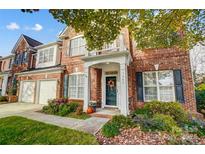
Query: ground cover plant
[{"x": 161, "y": 122}]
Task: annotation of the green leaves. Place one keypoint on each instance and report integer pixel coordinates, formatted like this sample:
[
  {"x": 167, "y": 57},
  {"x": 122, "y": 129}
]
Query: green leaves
[{"x": 149, "y": 28}]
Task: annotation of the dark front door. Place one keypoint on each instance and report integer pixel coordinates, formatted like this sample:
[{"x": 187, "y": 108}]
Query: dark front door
[{"x": 111, "y": 91}]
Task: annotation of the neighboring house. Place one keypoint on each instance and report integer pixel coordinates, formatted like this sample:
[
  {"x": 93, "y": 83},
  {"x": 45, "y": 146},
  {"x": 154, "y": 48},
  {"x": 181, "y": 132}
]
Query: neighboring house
[
  {"x": 43, "y": 82},
  {"x": 119, "y": 76},
  {"x": 197, "y": 55},
  {"x": 23, "y": 52},
  {"x": 5, "y": 73}
]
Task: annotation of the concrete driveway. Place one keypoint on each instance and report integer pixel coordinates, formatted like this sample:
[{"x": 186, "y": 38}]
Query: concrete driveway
[{"x": 16, "y": 108}]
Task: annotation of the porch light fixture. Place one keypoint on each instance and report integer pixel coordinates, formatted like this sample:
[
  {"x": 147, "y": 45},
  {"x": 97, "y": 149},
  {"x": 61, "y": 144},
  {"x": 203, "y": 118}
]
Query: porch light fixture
[
  {"x": 107, "y": 63},
  {"x": 156, "y": 66}
]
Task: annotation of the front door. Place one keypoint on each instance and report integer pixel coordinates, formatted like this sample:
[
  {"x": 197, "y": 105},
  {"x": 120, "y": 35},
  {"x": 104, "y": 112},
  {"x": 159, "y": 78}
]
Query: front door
[{"x": 111, "y": 91}]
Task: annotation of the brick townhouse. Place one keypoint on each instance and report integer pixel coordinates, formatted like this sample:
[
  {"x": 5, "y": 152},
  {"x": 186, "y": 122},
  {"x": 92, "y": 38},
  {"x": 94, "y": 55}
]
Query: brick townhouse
[
  {"x": 118, "y": 76},
  {"x": 5, "y": 73}
]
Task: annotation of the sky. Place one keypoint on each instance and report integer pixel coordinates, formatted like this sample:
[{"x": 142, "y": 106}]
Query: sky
[{"x": 39, "y": 25}]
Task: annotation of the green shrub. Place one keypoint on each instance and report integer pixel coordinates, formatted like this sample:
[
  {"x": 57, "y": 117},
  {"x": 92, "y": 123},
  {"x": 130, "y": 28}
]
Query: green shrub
[
  {"x": 146, "y": 124},
  {"x": 110, "y": 129},
  {"x": 200, "y": 97},
  {"x": 122, "y": 121},
  {"x": 54, "y": 107},
  {"x": 60, "y": 107},
  {"x": 73, "y": 106},
  {"x": 3, "y": 99},
  {"x": 47, "y": 109},
  {"x": 159, "y": 122},
  {"x": 174, "y": 109},
  {"x": 195, "y": 128},
  {"x": 141, "y": 111},
  {"x": 166, "y": 123},
  {"x": 64, "y": 109}
]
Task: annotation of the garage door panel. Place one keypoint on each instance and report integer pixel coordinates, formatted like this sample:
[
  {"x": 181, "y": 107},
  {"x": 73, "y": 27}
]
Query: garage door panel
[
  {"x": 27, "y": 92},
  {"x": 47, "y": 90}
]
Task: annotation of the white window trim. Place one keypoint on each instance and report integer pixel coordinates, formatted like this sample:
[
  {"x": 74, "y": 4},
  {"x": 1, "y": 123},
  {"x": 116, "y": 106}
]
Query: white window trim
[
  {"x": 43, "y": 51},
  {"x": 158, "y": 86},
  {"x": 69, "y": 45},
  {"x": 77, "y": 73}
]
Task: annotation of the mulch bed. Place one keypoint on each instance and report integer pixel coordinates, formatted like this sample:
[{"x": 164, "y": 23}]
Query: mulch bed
[{"x": 134, "y": 136}]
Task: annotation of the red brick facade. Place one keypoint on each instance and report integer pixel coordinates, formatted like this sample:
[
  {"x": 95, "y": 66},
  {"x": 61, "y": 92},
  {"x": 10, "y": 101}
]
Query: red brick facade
[{"x": 168, "y": 59}]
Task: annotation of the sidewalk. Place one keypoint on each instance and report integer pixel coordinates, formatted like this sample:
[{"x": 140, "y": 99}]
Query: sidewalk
[{"x": 91, "y": 125}]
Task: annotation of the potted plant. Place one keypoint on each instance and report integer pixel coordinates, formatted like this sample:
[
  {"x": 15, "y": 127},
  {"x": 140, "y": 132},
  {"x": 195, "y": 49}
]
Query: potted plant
[
  {"x": 12, "y": 94},
  {"x": 93, "y": 104}
]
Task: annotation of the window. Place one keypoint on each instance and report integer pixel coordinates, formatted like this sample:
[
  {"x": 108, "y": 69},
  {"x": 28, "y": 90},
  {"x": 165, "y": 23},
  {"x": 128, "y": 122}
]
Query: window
[
  {"x": 76, "y": 86},
  {"x": 46, "y": 55},
  {"x": 77, "y": 46},
  {"x": 159, "y": 86}
]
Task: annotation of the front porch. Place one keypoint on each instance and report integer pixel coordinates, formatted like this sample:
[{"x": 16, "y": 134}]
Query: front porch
[{"x": 106, "y": 82}]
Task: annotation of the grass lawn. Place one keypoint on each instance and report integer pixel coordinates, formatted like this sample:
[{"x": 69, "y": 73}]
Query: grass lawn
[{"x": 19, "y": 130}]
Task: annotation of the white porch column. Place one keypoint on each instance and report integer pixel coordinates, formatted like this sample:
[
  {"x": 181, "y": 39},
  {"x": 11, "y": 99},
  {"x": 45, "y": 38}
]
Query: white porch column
[
  {"x": 4, "y": 84},
  {"x": 86, "y": 88},
  {"x": 124, "y": 103}
]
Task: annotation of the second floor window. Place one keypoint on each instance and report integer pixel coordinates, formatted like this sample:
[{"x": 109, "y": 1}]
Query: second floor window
[
  {"x": 46, "y": 55},
  {"x": 77, "y": 46}
]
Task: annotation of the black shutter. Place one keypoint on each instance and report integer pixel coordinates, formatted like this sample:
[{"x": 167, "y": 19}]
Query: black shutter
[
  {"x": 139, "y": 86},
  {"x": 17, "y": 59},
  {"x": 179, "y": 92},
  {"x": 65, "y": 86}
]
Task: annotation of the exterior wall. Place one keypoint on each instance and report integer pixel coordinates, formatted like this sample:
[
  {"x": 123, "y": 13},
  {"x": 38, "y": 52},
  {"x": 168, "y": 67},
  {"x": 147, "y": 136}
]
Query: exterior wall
[
  {"x": 73, "y": 63},
  {"x": 22, "y": 47},
  {"x": 168, "y": 59}
]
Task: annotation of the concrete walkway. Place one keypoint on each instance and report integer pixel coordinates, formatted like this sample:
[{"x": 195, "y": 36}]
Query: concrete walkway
[{"x": 91, "y": 125}]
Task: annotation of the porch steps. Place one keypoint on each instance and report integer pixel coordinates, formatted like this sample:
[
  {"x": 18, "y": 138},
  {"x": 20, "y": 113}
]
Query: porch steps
[
  {"x": 101, "y": 115},
  {"x": 105, "y": 113}
]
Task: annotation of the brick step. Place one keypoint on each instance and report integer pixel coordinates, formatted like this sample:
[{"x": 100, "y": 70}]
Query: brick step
[{"x": 101, "y": 115}]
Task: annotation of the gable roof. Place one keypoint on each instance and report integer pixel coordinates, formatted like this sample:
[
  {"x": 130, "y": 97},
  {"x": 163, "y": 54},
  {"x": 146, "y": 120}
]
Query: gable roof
[
  {"x": 62, "y": 32},
  {"x": 30, "y": 41}
]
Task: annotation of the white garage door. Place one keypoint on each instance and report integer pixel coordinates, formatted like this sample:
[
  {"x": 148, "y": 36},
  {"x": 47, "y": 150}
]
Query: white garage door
[
  {"x": 47, "y": 91},
  {"x": 27, "y": 91}
]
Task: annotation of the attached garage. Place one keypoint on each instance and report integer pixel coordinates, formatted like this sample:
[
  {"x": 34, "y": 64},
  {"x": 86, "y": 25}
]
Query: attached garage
[
  {"x": 27, "y": 91},
  {"x": 47, "y": 90}
]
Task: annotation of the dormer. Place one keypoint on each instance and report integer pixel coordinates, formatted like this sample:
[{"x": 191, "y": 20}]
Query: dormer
[{"x": 48, "y": 55}]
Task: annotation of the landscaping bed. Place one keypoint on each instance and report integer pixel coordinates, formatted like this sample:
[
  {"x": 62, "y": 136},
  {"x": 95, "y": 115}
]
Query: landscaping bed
[
  {"x": 135, "y": 136},
  {"x": 21, "y": 131},
  {"x": 61, "y": 107},
  {"x": 155, "y": 123}
]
